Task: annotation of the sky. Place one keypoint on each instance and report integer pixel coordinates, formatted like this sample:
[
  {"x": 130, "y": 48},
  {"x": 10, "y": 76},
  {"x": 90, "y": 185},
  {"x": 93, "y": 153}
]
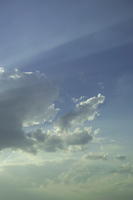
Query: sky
[{"x": 66, "y": 79}]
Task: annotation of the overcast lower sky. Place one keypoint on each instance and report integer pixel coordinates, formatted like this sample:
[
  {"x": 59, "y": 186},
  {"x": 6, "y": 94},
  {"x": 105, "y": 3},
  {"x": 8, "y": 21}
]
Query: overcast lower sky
[{"x": 66, "y": 98}]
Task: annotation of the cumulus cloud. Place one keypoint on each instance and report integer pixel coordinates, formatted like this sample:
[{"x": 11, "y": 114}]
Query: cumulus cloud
[
  {"x": 27, "y": 101},
  {"x": 84, "y": 110},
  {"x": 70, "y": 131},
  {"x": 38, "y": 135},
  {"x": 24, "y": 97},
  {"x": 78, "y": 139},
  {"x": 53, "y": 143},
  {"x": 50, "y": 114},
  {"x": 71, "y": 126}
]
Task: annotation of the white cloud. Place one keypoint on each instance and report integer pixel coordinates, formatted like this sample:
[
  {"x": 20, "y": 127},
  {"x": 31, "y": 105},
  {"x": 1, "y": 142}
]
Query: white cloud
[
  {"x": 2, "y": 70},
  {"x": 85, "y": 110}
]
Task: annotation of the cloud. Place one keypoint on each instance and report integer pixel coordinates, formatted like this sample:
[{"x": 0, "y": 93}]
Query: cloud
[
  {"x": 53, "y": 143},
  {"x": 38, "y": 135},
  {"x": 2, "y": 70},
  {"x": 69, "y": 131},
  {"x": 85, "y": 110},
  {"x": 78, "y": 139},
  {"x": 50, "y": 114},
  {"x": 96, "y": 156},
  {"x": 27, "y": 103},
  {"x": 24, "y": 97},
  {"x": 126, "y": 168},
  {"x": 121, "y": 157},
  {"x": 75, "y": 180}
]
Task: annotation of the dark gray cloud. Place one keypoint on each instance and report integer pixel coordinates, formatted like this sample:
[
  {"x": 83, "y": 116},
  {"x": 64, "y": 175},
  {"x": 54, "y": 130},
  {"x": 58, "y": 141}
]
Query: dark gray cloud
[
  {"x": 24, "y": 97},
  {"x": 38, "y": 135},
  {"x": 53, "y": 143}
]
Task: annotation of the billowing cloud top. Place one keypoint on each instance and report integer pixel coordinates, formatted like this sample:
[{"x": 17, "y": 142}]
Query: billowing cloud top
[
  {"x": 85, "y": 110},
  {"x": 27, "y": 99}
]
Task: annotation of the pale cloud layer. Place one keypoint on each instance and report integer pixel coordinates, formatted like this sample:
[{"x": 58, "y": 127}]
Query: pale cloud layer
[{"x": 67, "y": 178}]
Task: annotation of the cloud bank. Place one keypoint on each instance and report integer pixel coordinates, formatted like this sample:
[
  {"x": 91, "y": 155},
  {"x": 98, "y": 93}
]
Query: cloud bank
[
  {"x": 27, "y": 100},
  {"x": 24, "y": 97}
]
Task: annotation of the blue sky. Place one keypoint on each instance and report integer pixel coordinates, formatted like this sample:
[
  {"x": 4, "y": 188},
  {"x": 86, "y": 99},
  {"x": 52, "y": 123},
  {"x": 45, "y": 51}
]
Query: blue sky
[{"x": 74, "y": 50}]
